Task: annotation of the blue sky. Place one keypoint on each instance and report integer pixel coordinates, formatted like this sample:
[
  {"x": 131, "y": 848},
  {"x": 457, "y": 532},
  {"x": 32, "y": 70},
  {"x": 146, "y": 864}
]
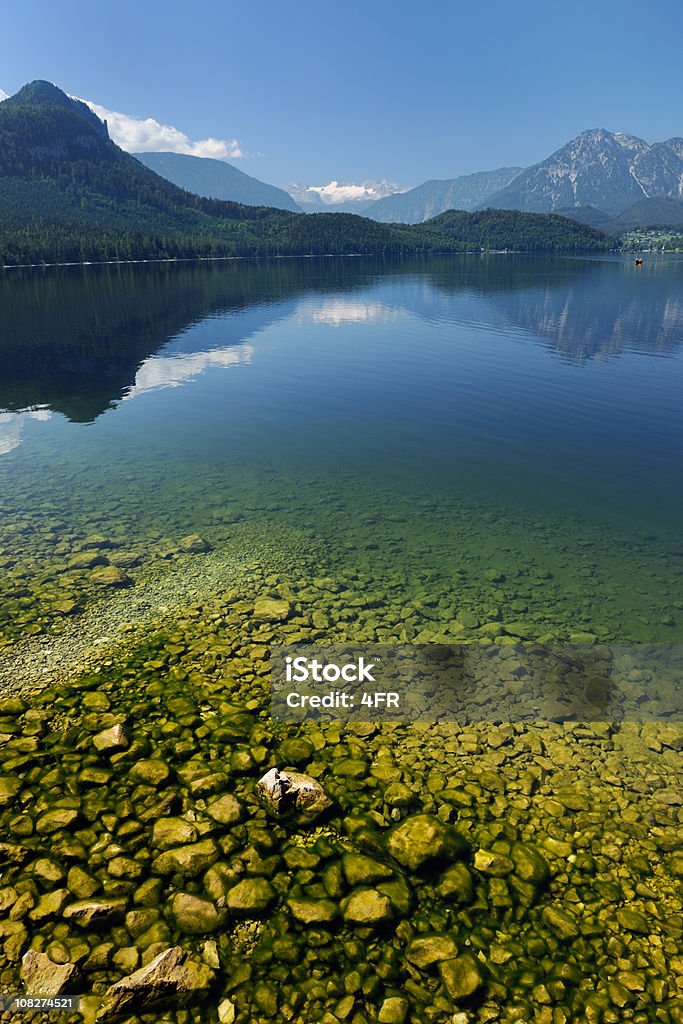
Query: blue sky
[{"x": 353, "y": 91}]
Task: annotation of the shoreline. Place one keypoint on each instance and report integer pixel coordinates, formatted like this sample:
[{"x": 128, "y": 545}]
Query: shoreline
[{"x": 310, "y": 256}]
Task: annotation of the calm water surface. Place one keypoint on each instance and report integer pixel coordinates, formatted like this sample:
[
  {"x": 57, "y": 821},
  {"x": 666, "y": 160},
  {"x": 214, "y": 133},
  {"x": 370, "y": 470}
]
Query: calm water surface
[{"x": 503, "y": 432}]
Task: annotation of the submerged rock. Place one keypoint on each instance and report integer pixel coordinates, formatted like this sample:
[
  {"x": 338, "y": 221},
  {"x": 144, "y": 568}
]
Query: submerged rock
[
  {"x": 422, "y": 840},
  {"x": 393, "y": 1010},
  {"x": 111, "y": 739},
  {"x": 271, "y": 610},
  {"x": 431, "y": 949},
  {"x": 491, "y": 863},
  {"x": 291, "y": 794},
  {"x": 93, "y": 913},
  {"x": 9, "y": 787},
  {"x": 194, "y": 544},
  {"x": 251, "y": 897},
  {"x": 367, "y": 907},
  {"x": 42, "y": 976},
  {"x": 110, "y": 576},
  {"x": 313, "y": 911},
  {"x": 170, "y": 832},
  {"x": 530, "y": 866},
  {"x": 189, "y": 860},
  {"x": 86, "y": 560},
  {"x": 193, "y": 915},
  {"x": 170, "y": 979},
  {"x": 462, "y": 976}
]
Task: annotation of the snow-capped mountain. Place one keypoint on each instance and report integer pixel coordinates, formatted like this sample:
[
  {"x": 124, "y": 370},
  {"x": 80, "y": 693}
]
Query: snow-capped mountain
[{"x": 349, "y": 197}]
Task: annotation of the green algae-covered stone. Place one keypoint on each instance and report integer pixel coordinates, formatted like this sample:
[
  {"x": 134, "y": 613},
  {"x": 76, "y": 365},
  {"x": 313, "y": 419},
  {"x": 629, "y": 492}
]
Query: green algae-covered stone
[
  {"x": 561, "y": 921},
  {"x": 251, "y": 897},
  {"x": 456, "y": 884},
  {"x": 367, "y": 907},
  {"x": 269, "y": 609},
  {"x": 109, "y": 576},
  {"x": 462, "y": 976},
  {"x": 194, "y": 544},
  {"x": 529, "y": 865},
  {"x": 430, "y": 949},
  {"x": 9, "y": 787},
  {"x": 312, "y": 911},
  {"x": 295, "y": 751},
  {"x": 226, "y": 810},
  {"x": 632, "y": 921},
  {"x": 361, "y": 870},
  {"x": 399, "y": 893},
  {"x": 423, "y": 839},
  {"x": 193, "y": 915},
  {"x": 170, "y": 832},
  {"x": 491, "y": 863},
  {"x": 150, "y": 771},
  {"x": 95, "y": 913},
  {"x": 188, "y": 860},
  {"x": 56, "y": 820},
  {"x": 394, "y": 1010},
  {"x": 80, "y": 883}
]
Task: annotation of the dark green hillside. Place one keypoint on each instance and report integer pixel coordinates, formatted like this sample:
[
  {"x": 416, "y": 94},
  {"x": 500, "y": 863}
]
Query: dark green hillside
[
  {"x": 512, "y": 229},
  {"x": 68, "y": 193},
  {"x": 658, "y": 212}
]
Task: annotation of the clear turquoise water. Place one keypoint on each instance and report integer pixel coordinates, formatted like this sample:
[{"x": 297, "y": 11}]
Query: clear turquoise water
[{"x": 437, "y": 424}]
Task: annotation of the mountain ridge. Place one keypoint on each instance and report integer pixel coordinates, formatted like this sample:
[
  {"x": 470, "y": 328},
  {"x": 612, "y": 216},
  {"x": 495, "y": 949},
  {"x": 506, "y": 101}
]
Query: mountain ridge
[
  {"x": 466, "y": 192},
  {"x": 607, "y": 170},
  {"x": 216, "y": 179}
]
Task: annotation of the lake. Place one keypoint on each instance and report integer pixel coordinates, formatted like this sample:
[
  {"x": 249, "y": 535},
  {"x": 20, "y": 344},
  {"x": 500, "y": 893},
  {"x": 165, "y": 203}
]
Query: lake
[
  {"x": 204, "y": 467},
  {"x": 501, "y": 433}
]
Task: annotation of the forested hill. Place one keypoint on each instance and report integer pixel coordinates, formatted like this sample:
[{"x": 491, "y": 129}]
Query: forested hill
[{"x": 68, "y": 193}]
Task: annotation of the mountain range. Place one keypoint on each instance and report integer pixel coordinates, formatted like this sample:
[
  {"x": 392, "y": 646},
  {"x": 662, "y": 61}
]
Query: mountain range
[
  {"x": 607, "y": 179},
  {"x": 68, "y": 193},
  {"x": 608, "y": 170},
  {"x": 467, "y": 192},
  {"x": 610, "y": 180}
]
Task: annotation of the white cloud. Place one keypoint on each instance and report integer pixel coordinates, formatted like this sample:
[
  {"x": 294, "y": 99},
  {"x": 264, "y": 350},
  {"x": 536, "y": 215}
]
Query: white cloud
[
  {"x": 145, "y": 135},
  {"x": 3, "y": 95}
]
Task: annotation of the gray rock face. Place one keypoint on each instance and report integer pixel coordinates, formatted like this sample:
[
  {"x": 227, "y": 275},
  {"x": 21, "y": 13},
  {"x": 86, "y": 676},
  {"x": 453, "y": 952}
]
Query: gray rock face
[
  {"x": 608, "y": 170},
  {"x": 42, "y": 977},
  {"x": 170, "y": 979},
  {"x": 292, "y": 795}
]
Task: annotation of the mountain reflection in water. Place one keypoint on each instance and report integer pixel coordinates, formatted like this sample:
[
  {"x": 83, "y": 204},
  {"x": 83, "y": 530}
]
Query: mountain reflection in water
[{"x": 78, "y": 341}]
